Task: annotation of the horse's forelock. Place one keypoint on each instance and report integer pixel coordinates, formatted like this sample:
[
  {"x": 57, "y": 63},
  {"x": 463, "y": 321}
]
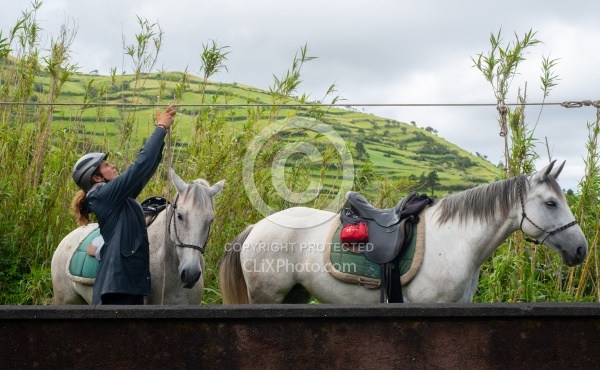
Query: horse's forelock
[
  {"x": 554, "y": 186},
  {"x": 202, "y": 182},
  {"x": 198, "y": 191},
  {"x": 484, "y": 202}
]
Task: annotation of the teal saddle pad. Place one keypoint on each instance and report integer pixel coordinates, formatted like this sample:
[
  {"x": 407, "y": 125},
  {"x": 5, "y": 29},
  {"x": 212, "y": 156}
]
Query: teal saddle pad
[{"x": 82, "y": 264}]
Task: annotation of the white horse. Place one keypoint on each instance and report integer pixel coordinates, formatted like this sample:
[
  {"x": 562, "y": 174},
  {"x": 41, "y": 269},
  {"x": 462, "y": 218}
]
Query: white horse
[
  {"x": 176, "y": 253},
  {"x": 280, "y": 258}
]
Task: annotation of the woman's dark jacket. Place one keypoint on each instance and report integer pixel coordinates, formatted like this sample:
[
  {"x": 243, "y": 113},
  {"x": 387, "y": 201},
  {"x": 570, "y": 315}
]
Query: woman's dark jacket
[{"x": 125, "y": 256}]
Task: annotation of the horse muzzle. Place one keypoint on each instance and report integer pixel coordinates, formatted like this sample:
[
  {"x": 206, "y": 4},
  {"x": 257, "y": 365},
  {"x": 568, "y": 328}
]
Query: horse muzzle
[
  {"x": 574, "y": 259},
  {"x": 188, "y": 279}
]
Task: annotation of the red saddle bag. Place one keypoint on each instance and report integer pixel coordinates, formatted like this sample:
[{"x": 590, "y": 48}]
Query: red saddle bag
[{"x": 355, "y": 233}]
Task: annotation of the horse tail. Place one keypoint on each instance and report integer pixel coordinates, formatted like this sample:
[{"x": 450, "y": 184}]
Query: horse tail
[{"x": 231, "y": 278}]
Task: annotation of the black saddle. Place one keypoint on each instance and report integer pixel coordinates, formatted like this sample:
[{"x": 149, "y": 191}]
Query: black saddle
[
  {"x": 383, "y": 217},
  {"x": 389, "y": 231},
  {"x": 387, "y": 227},
  {"x": 152, "y": 206}
]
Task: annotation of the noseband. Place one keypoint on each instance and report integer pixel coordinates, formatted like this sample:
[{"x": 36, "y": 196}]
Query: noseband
[
  {"x": 178, "y": 242},
  {"x": 524, "y": 216}
]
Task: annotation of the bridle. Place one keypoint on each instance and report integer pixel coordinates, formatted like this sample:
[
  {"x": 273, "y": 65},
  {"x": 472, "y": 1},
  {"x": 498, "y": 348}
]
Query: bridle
[
  {"x": 524, "y": 216},
  {"x": 178, "y": 242}
]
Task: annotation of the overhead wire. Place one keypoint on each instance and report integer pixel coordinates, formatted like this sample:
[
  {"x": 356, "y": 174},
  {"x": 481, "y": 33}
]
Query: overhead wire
[{"x": 566, "y": 104}]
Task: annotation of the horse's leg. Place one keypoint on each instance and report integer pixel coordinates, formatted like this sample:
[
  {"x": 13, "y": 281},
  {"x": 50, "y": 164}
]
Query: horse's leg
[{"x": 298, "y": 294}]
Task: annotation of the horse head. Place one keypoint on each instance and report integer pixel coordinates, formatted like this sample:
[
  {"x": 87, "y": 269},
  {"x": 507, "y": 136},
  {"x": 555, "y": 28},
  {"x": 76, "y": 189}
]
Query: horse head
[
  {"x": 189, "y": 225},
  {"x": 547, "y": 218}
]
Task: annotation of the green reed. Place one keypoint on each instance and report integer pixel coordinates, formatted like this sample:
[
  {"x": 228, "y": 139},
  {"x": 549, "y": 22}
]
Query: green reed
[
  {"x": 34, "y": 164},
  {"x": 520, "y": 271}
]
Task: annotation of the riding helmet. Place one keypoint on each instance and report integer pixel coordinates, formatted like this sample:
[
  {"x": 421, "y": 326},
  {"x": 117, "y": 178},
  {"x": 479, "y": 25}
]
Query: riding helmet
[{"x": 85, "y": 167}]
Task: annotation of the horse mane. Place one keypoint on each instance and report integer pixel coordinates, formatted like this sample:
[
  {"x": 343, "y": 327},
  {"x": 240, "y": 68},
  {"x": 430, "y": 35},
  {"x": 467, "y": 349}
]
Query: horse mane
[{"x": 486, "y": 202}]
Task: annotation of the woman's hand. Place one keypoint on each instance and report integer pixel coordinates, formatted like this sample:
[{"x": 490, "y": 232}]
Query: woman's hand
[{"x": 166, "y": 119}]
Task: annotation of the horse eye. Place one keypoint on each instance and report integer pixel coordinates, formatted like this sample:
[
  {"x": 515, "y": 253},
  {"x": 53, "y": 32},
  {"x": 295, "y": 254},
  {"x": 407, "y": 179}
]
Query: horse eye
[
  {"x": 551, "y": 203},
  {"x": 179, "y": 217}
]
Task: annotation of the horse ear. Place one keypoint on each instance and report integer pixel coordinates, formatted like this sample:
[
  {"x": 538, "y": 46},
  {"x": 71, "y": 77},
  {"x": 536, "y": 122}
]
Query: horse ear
[
  {"x": 216, "y": 188},
  {"x": 551, "y": 171},
  {"x": 557, "y": 171},
  {"x": 177, "y": 181},
  {"x": 545, "y": 172}
]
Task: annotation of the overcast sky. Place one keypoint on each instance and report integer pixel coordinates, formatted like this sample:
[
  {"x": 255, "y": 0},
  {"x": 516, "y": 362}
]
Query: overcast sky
[{"x": 376, "y": 52}]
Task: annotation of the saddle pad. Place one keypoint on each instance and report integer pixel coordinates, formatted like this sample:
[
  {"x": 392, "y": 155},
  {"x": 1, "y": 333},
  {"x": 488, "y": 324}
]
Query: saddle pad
[
  {"x": 350, "y": 263},
  {"x": 82, "y": 264}
]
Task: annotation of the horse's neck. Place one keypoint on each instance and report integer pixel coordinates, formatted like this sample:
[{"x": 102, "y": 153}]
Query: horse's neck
[
  {"x": 475, "y": 238},
  {"x": 160, "y": 240}
]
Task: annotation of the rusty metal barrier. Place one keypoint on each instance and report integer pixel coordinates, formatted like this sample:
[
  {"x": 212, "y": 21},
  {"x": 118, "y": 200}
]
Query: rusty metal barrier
[{"x": 469, "y": 336}]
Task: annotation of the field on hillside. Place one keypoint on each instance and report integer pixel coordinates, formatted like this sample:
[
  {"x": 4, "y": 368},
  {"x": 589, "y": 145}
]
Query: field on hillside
[{"x": 99, "y": 106}]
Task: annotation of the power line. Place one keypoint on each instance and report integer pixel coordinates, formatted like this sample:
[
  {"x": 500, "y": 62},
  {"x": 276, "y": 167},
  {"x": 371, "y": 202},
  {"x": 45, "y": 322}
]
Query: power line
[{"x": 566, "y": 104}]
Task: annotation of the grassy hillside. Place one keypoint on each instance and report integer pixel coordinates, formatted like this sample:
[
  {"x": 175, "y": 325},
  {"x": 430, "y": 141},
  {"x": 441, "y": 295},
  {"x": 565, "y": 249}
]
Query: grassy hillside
[{"x": 397, "y": 150}]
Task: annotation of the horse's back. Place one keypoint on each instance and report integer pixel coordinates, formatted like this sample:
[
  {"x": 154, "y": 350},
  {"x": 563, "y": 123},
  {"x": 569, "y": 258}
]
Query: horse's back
[
  {"x": 300, "y": 224},
  {"x": 65, "y": 290},
  {"x": 300, "y": 218}
]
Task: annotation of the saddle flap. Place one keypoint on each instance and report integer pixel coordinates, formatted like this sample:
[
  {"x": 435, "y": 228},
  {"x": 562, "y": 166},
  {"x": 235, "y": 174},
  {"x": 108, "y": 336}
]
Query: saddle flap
[
  {"x": 385, "y": 246},
  {"x": 360, "y": 205}
]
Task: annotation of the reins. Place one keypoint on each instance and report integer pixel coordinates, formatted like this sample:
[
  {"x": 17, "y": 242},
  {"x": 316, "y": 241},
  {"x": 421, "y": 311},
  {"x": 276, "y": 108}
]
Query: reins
[{"x": 524, "y": 216}]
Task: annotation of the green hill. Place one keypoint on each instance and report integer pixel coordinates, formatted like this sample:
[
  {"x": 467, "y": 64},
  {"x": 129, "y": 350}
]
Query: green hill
[{"x": 395, "y": 150}]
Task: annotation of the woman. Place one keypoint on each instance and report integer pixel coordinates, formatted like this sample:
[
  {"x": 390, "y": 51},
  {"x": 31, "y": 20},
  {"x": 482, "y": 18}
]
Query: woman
[{"x": 123, "y": 276}]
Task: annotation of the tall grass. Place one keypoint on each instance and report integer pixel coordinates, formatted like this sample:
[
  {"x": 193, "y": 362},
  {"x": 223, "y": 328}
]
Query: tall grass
[
  {"x": 583, "y": 281},
  {"x": 32, "y": 188},
  {"x": 520, "y": 271}
]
